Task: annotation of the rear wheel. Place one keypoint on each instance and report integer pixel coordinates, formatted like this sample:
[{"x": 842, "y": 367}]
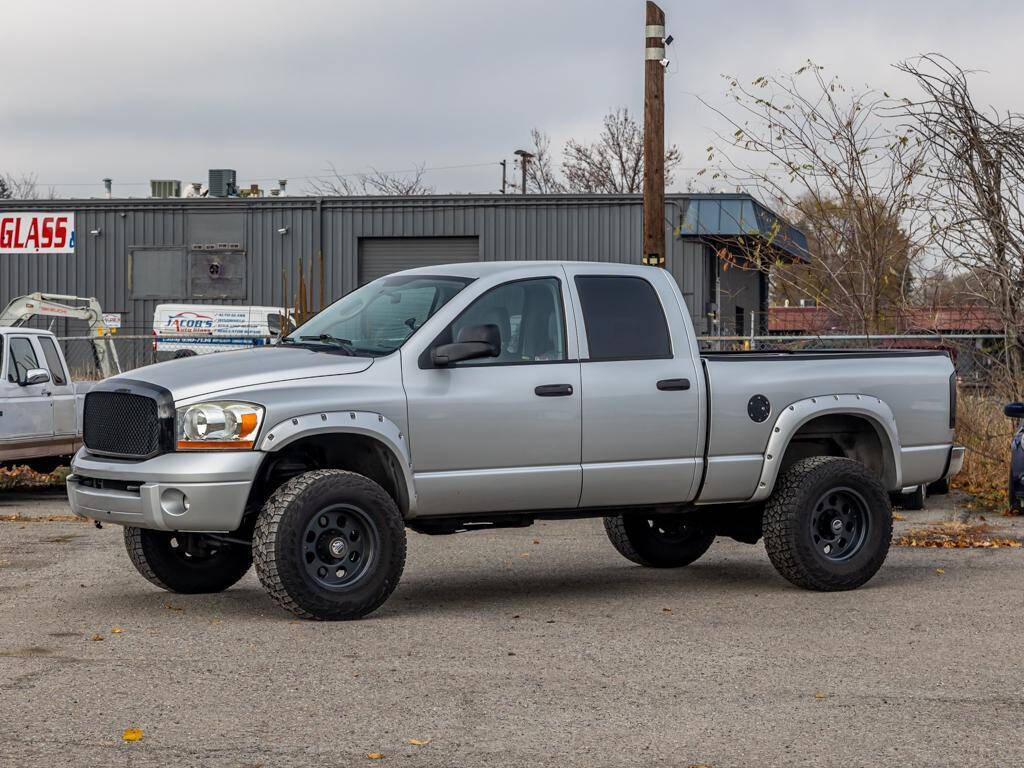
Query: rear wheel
[
  {"x": 330, "y": 545},
  {"x": 662, "y": 541},
  {"x": 186, "y": 562},
  {"x": 827, "y": 525}
]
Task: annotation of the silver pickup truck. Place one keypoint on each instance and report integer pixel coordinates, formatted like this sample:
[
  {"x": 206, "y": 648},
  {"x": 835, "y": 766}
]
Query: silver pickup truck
[
  {"x": 468, "y": 396},
  {"x": 40, "y": 406}
]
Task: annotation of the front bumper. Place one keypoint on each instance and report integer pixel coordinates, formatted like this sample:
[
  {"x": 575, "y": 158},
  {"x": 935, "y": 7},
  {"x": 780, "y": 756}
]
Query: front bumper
[{"x": 170, "y": 492}]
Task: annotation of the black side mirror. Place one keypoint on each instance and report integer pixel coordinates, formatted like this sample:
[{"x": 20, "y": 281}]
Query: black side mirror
[
  {"x": 1014, "y": 410},
  {"x": 473, "y": 342}
]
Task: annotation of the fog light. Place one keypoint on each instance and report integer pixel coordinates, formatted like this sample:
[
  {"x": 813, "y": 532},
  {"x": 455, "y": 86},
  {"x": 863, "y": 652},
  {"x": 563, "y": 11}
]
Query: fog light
[{"x": 174, "y": 502}]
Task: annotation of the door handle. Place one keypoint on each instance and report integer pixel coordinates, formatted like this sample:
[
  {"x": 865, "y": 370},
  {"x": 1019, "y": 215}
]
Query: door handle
[
  {"x": 553, "y": 390},
  {"x": 672, "y": 384}
]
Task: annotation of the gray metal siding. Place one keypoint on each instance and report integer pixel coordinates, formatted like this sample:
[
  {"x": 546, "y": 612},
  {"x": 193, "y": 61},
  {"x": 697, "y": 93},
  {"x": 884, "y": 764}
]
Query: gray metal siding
[{"x": 321, "y": 236}]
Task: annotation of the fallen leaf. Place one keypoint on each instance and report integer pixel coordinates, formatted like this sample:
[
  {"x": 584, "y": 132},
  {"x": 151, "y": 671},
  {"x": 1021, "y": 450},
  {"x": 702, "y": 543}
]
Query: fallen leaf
[
  {"x": 173, "y": 607},
  {"x": 666, "y": 609},
  {"x": 940, "y": 571},
  {"x": 515, "y": 615},
  {"x": 419, "y": 742},
  {"x": 524, "y": 554},
  {"x": 898, "y": 516},
  {"x": 954, "y": 535},
  {"x": 819, "y": 695},
  {"x": 375, "y": 755},
  {"x": 116, "y": 631},
  {"x": 132, "y": 734},
  {"x": 98, "y": 636},
  {"x": 536, "y": 541}
]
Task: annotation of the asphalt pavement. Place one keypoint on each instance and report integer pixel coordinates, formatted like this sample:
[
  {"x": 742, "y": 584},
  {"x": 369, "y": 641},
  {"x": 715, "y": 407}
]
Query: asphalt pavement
[{"x": 536, "y": 646}]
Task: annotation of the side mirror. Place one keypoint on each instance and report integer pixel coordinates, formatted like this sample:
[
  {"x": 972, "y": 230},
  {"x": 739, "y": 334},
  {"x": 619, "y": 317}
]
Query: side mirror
[
  {"x": 1014, "y": 410},
  {"x": 473, "y": 342},
  {"x": 35, "y": 376}
]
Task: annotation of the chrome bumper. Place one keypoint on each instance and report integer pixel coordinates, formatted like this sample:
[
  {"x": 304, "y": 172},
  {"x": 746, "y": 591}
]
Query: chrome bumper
[
  {"x": 171, "y": 492},
  {"x": 956, "y": 460}
]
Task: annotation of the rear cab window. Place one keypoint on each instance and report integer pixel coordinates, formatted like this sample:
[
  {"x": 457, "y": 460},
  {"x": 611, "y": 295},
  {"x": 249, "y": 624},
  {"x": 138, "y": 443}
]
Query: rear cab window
[
  {"x": 53, "y": 363},
  {"x": 624, "y": 318}
]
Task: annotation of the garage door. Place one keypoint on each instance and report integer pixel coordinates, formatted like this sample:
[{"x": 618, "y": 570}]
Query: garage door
[{"x": 379, "y": 256}]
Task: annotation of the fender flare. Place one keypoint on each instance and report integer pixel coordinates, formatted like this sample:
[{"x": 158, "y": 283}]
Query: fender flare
[
  {"x": 876, "y": 411},
  {"x": 364, "y": 423}
]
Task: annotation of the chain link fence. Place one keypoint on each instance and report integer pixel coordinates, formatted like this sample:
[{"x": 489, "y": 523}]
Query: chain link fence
[{"x": 973, "y": 354}]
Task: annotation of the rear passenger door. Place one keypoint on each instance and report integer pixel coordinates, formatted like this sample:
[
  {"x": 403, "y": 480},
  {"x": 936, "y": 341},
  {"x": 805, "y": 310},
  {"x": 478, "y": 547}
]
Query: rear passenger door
[
  {"x": 641, "y": 405},
  {"x": 62, "y": 392}
]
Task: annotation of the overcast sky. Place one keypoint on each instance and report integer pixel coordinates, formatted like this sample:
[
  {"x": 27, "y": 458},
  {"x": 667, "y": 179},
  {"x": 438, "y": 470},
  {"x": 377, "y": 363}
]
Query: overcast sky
[{"x": 139, "y": 90}]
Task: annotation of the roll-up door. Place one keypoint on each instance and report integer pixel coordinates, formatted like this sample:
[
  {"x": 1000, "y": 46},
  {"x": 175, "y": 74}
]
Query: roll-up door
[{"x": 379, "y": 256}]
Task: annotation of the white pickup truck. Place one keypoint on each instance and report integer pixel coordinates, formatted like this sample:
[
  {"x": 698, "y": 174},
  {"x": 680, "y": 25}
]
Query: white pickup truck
[
  {"x": 453, "y": 398},
  {"x": 40, "y": 407}
]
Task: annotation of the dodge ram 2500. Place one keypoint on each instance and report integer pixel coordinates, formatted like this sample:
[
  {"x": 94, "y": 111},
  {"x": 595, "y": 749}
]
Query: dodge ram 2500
[{"x": 452, "y": 398}]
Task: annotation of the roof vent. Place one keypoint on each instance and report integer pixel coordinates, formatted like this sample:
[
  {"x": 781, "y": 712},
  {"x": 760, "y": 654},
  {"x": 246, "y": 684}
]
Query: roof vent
[{"x": 164, "y": 188}]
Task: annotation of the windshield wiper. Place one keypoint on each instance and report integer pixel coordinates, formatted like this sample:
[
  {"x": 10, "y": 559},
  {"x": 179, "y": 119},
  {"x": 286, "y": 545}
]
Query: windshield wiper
[{"x": 325, "y": 338}]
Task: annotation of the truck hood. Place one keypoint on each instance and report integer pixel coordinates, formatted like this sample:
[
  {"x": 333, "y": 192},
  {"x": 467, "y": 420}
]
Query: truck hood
[{"x": 207, "y": 374}]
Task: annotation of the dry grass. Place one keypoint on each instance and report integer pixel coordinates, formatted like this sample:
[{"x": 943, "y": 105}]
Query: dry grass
[{"x": 982, "y": 427}]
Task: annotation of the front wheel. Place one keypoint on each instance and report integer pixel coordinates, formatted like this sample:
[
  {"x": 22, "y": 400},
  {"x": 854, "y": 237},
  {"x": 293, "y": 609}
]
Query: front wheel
[
  {"x": 828, "y": 524},
  {"x": 186, "y": 562},
  {"x": 662, "y": 541},
  {"x": 329, "y": 545}
]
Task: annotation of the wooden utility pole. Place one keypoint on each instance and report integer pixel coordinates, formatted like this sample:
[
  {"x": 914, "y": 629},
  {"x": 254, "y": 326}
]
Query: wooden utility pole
[{"x": 654, "y": 137}]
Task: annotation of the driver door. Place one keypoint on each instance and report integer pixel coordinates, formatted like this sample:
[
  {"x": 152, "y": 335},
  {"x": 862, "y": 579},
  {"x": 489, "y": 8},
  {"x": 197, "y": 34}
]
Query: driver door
[
  {"x": 500, "y": 433},
  {"x": 29, "y": 410}
]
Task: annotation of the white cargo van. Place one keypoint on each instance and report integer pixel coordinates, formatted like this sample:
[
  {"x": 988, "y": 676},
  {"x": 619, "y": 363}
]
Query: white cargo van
[{"x": 183, "y": 330}]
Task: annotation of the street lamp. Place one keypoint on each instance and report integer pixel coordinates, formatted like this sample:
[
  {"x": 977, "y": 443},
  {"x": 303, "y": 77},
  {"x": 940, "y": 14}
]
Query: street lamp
[{"x": 524, "y": 158}]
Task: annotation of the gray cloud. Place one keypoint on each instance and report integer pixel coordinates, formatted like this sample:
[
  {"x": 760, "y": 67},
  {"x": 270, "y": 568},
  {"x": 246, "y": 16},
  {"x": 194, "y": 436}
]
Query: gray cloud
[{"x": 145, "y": 90}]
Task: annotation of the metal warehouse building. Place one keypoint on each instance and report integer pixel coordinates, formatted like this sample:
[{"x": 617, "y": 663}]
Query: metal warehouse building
[{"x": 132, "y": 254}]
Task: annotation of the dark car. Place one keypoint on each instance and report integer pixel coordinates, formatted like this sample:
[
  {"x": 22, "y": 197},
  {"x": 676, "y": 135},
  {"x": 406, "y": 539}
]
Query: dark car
[{"x": 1016, "y": 411}]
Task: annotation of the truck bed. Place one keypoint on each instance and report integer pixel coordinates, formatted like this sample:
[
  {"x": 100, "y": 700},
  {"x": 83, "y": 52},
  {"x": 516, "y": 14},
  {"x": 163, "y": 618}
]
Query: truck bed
[{"x": 914, "y": 384}]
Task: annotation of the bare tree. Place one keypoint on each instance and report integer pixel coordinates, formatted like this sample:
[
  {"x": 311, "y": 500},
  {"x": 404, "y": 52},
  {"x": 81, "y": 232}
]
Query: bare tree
[
  {"x": 401, "y": 184},
  {"x": 841, "y": 162},
  {"x": 541, "y": 176},
  {"x": 615, "y": 162},
  {"x": 5, "y": 191},
  {"x": 975, "y": 201},
  {"x": 25, "y": 186}
]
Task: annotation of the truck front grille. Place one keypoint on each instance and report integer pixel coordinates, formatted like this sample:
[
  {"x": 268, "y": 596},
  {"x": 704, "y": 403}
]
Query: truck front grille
[{"x": 122, "y": 424}]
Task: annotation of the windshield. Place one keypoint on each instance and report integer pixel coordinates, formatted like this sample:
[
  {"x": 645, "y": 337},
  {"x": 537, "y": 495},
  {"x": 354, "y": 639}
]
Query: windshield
[{"x": 378, "y": 318}]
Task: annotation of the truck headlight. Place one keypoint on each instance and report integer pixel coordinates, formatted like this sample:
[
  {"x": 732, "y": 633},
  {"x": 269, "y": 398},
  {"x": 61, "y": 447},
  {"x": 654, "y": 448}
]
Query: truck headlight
[{"x": 218, "y": 425}]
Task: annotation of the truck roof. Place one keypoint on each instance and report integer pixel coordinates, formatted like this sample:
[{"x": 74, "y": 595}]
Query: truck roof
[
  {"x": 487, "y": 268},
  {"x": 22, "y": 330}
]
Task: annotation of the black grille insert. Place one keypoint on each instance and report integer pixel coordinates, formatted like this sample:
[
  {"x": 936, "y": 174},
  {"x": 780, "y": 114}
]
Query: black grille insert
[{"x": 122, "y": 423}]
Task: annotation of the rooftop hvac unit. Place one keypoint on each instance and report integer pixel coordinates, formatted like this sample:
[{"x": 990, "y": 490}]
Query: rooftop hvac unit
[
  {"x": 164, "y": 188},
  {"x": 223, "y": 182}
]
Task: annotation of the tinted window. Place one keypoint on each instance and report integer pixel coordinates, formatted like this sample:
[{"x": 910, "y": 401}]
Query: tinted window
[
  {"x": 529, "y": 317},
  {"x": 53, "y": 361},
  {"x": 623, "y": 317},
  {"x": 23, "y": 359}
]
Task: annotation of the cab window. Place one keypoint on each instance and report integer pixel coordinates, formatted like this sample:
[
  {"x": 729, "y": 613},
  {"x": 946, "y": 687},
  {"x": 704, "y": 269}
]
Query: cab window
[
  {"x": 22, "y": 359},
  {"x": 529, "y": 317},
  {"x": 53, "y": 363}
]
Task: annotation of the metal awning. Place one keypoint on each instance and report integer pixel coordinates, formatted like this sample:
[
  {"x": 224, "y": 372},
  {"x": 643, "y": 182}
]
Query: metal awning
[{"x": 722, "y": 218}]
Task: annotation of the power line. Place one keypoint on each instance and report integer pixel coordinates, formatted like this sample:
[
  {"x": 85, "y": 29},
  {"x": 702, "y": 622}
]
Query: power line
[{"x": 323, "y": 175}]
